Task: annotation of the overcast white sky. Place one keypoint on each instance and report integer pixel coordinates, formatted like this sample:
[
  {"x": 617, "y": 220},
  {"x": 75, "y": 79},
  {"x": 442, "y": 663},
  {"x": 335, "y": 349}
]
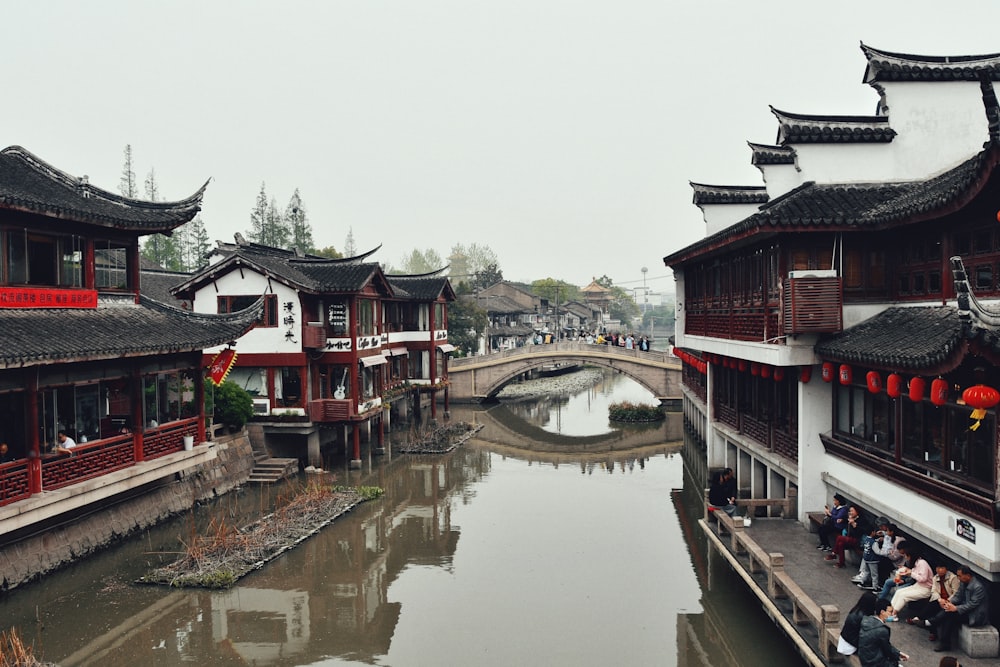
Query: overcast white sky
[{"x": 560, "y": 133}]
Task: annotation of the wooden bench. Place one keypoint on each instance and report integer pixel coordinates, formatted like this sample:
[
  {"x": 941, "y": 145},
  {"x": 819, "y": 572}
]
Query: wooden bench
[{"x": 806, "y": 611}]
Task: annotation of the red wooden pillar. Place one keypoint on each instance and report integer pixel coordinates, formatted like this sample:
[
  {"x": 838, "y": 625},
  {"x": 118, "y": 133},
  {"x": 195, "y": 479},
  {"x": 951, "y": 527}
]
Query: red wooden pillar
[
  {"x": 33, "y": 449},
  {"x": 138, "y": 407},
  {"x": 199, "y": 398},
  {"x": 446, "y": 407},
  {"x": 356, "y": 442},
  {"x": 381, "y": 433},
  {"x": 434, "y": 403}
]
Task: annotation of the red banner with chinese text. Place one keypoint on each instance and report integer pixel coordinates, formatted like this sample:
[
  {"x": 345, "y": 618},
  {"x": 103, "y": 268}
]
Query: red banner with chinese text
[
  {"x": 221, "y": 365},
  {"x": 47, "y": 297}
]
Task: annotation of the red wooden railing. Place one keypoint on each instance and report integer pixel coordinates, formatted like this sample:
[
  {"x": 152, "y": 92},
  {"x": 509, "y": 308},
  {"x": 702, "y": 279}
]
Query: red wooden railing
[{"x": 14, "y": 481}]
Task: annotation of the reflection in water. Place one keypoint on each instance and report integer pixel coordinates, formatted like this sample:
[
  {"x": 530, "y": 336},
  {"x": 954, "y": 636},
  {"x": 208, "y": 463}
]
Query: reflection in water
[{"x": 553, "y": 567}]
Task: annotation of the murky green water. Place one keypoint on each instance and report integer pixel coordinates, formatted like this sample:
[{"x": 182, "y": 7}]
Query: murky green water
[{"x": 515, "y": 549}]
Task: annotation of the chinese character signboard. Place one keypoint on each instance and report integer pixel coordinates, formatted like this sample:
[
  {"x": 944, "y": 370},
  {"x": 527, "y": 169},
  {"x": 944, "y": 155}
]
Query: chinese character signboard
[
  {"x": 965, "y": 530},
  {"x": 47, "y": 297}
]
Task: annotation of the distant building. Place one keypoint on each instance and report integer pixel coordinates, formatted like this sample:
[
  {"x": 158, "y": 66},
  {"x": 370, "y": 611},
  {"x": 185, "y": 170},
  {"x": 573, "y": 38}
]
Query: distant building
[{"x": 338, "y": 339}]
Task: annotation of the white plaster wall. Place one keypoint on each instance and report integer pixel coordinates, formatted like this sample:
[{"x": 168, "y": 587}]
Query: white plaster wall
[
  {"x": 815, "y": 406},
  {"x": 259, "y": 339},
  {"x": 938, "y": 125},
  {"x": 915, "y": 514},
  {"x": 719, "y": 216},
  {"x": 780, "y": 179},
  {"x": 846, "y": 163}
]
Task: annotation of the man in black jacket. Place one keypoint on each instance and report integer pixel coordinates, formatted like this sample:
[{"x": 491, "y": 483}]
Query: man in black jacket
[{"x": 874, "y": 648}]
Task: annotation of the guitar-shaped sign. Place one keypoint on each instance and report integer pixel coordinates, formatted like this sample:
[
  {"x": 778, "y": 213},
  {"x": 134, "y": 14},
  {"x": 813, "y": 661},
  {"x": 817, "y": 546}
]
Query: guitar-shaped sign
[{"x": 339, "y": 394}]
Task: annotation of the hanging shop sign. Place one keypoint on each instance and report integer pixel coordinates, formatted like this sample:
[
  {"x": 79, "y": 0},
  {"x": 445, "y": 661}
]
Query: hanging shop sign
[{"x": 221, "y": 365}]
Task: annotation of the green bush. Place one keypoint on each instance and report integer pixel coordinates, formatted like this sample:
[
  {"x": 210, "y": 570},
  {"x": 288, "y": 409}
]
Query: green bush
[
  {"x": 233, "y": 405},
  {"x": 634, "y": 412}
]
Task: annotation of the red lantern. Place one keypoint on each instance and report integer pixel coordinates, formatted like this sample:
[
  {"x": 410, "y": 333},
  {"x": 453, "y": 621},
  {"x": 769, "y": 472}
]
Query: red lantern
[
  {"x": 917, "y": 389},
  {"x": 893, "y": 385},
  {"x": 846, "y": 375},
  {"x": 827, "y": 372},
  {"x": 765, "y": 371},
  {"x": 742, "y": 365},
  {"x": 939, "y": 391},
  {"x": 805, "y": 374},
  {"x": 779, "y": 374},
  {"x": 874, "y": 382},
  {"x": 981, "y": 398},
  {"x": 754, "y": 368}
]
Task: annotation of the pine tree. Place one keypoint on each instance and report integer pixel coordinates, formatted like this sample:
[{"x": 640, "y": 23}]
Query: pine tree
[
  {"x": 127, "y": 185},
  {"x": 159, "y": 249},
  {"x": 278, "y": 233},
  {"x": 298, "y": 224},
  {"x": 258, "y": 217},
  {"x": 350, "y": 250},
  {"x": 199, "y": 244}
]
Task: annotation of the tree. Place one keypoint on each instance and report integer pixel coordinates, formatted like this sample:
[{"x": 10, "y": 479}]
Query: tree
[
  {"x": 160, "y": 249},
  {"x": 466, "y": 262},
  {"x": 258, "y": 216},
  {"x": 350, "y": 250},
  {"x": 489, "y": 275},
  {"x": 197, "y": 244},
  {"x": 278, "y": 232},
  {"x": 127, "y": 185},
  {"x": 421, "y": 262},
  {"x": 556, "y": 291},
  {"x": 466, "y": 322},
  {"x": 233, "y": 405},
  {"x": 298, "y": 225},
  {"x": 329, "y": 252}
]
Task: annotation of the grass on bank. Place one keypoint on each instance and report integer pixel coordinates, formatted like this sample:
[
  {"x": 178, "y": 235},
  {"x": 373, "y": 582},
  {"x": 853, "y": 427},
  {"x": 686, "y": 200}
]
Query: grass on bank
[
  {"x": 220, "y": 556},
  {"x": 635, "y": 412}
]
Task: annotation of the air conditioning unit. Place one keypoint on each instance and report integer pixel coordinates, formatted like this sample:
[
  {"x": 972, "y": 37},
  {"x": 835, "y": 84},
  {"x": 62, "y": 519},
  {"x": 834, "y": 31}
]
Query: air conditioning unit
[
  {"x": 261, "y": 406},
  {"x": 813, "y": 273}
]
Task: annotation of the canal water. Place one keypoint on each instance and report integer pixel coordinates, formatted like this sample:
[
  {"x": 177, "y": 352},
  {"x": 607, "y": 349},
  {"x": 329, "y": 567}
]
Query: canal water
[{"x": 531, "y": 544}]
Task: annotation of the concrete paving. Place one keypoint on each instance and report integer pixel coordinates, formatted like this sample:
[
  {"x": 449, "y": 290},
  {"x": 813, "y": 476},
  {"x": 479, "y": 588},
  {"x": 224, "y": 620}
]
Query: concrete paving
[{"x": 826, "y": 584}]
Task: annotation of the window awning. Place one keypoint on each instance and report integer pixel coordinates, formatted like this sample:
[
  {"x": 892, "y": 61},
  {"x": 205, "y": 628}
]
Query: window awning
[
  {"x": 395, "y": 351},
  {"x": 446, "y": 348},
  {"x": 373, "y": 360}
]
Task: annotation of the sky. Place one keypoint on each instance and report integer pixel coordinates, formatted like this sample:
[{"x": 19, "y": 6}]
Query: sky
[{"x": 561, "y": 134}]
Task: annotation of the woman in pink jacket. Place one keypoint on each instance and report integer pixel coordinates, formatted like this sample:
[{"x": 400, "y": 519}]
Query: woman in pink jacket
[{"x": 921, "y": 573}]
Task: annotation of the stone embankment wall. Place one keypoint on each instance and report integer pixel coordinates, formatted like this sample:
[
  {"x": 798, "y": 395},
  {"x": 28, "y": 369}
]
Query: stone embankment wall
[{"x": 36, "y": 555}]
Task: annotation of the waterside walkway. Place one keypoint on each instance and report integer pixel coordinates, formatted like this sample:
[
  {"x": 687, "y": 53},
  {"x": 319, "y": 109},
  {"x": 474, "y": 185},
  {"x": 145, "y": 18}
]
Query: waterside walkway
[{"x": 819, "y": 588}]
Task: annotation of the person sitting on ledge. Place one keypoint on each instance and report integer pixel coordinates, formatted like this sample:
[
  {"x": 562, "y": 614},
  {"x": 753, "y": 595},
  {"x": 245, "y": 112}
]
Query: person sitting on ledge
[
  {"x": 66, "y": 443},
  {"x": 722, "y": 492},
  {"x": 857, "y": 527},
  {"x": 969, "y": 605},
  {"x": 5, "y": 455}
]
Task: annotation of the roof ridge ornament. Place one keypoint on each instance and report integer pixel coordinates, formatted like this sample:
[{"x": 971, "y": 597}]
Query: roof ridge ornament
[{"x": 970, "y": 309}]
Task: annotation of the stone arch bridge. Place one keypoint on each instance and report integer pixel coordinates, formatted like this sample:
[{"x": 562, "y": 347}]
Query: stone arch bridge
[{"x": 477, "y": 379}]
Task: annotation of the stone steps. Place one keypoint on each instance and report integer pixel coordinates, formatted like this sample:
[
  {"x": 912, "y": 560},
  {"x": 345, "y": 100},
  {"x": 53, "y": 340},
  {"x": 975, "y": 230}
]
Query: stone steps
[{"x": 267, "y": 470}]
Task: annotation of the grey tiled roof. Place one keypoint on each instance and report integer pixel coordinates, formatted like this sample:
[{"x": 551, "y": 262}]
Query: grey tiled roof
[
  {"x": 31, "y": 185},
  {"x": 310, "y": 274},
  {"x": 728, "y": 194},
  {"x": 765, "y": 154},
  {"x": 796, "y": 128},
  {"x": 888, "y": 66},
  {"x": 40, "y": 336},
  {"x": 911, "y": 339},
  {"x": 856, "y": 206},
  {"x": 421, "y": 288},
  {"x": 157, "y": 285}
]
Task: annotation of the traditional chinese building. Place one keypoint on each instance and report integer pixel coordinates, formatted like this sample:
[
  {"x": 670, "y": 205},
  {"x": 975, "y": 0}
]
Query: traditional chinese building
[
  {"x": 338, "y": 339},
  {"x": 840, "y": 323},
  {"x": 82, "y": 352}
]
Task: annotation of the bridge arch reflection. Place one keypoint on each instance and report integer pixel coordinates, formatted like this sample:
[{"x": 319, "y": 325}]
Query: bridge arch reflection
[{"x": 508, "y": 434}]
